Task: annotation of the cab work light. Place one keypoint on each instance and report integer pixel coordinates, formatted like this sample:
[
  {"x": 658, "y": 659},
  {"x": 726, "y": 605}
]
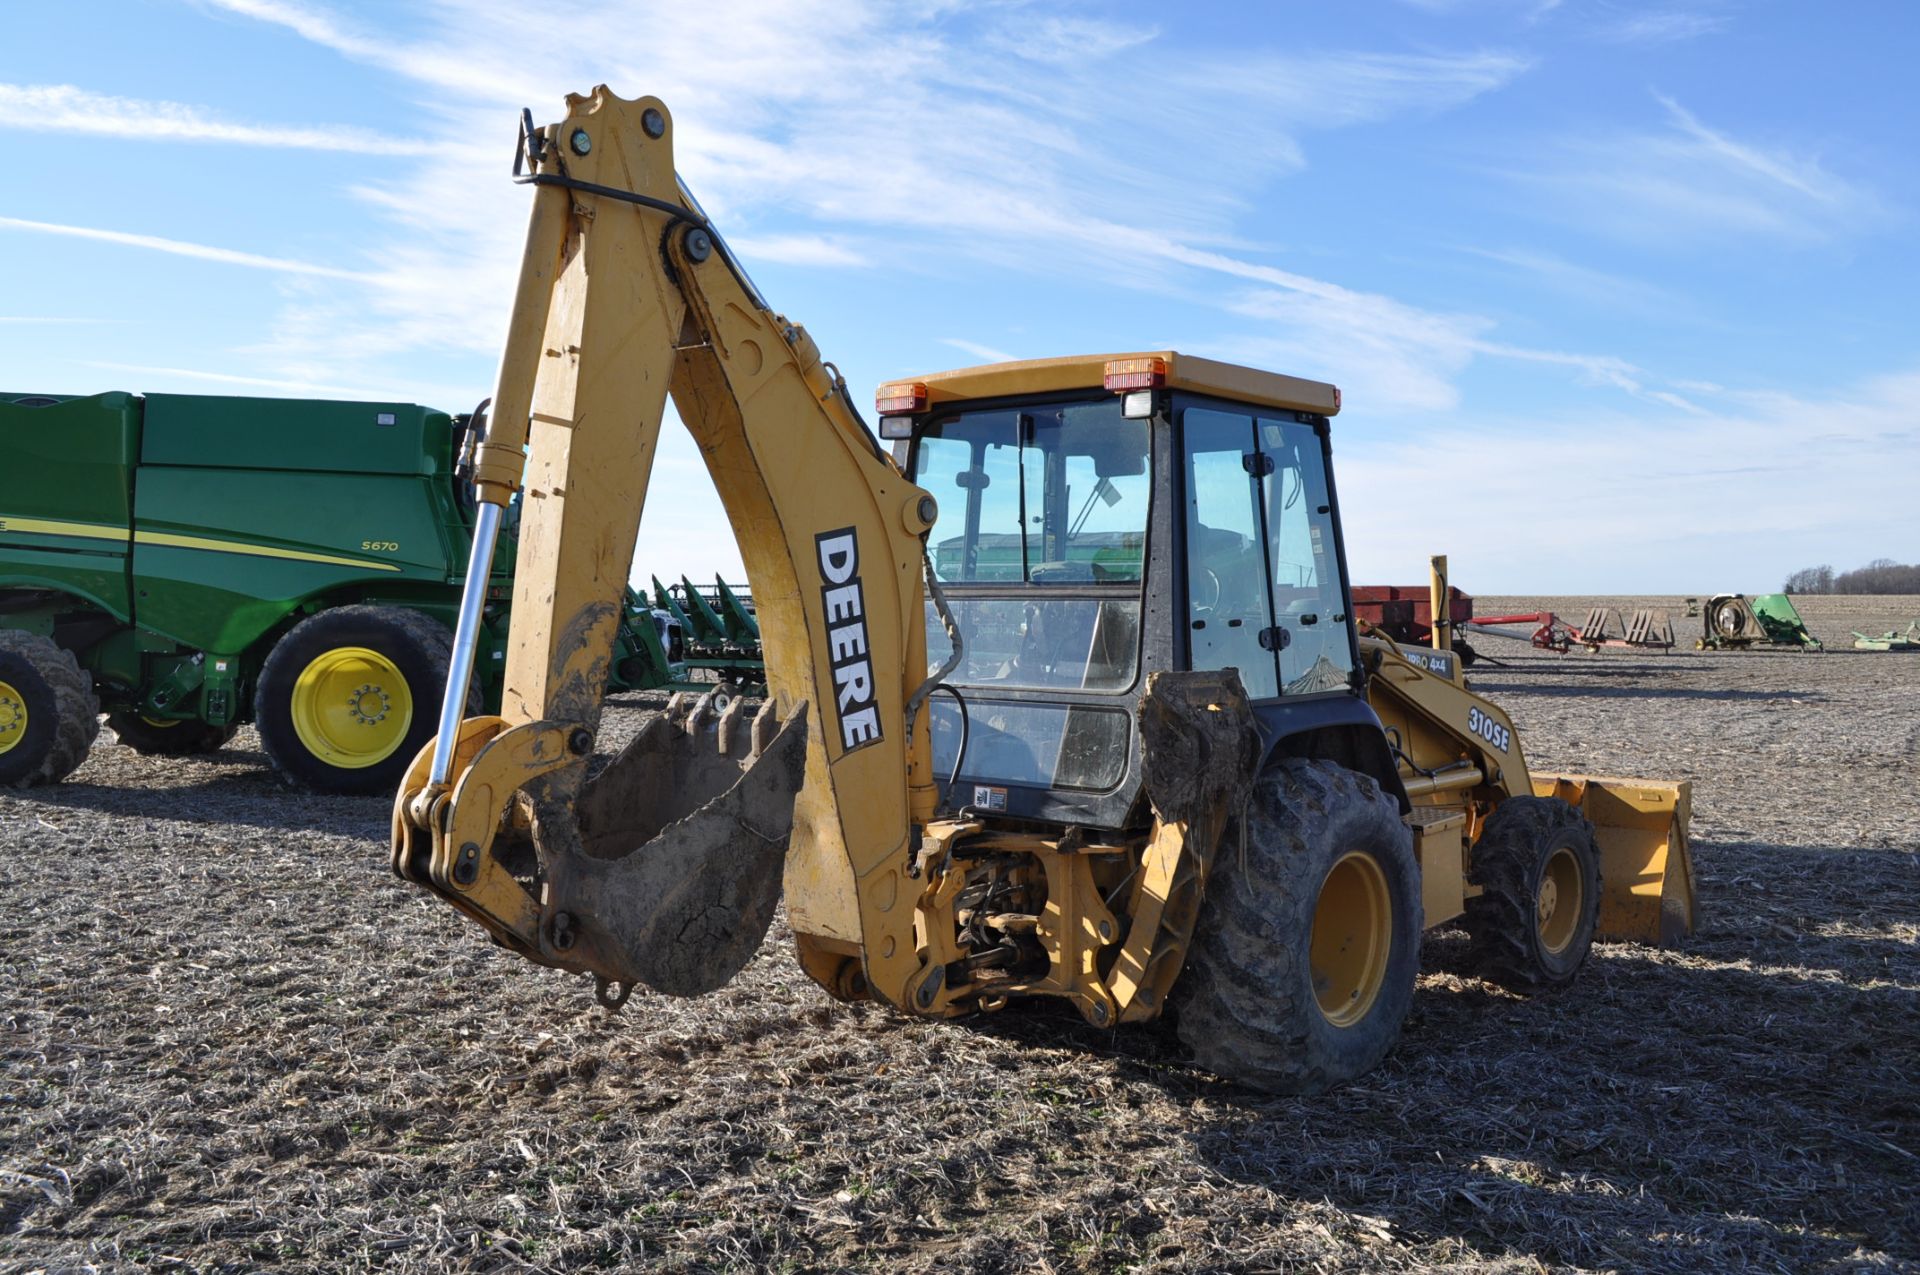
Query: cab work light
[
  {"x": 1135, "y": 374},
  {"x": 901, "y": 399}
]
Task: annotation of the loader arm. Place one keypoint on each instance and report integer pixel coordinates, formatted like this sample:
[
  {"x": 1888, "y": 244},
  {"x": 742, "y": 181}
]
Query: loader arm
[
  {"x": 665, "y": 866},
  {"x": 1460, "y": 752}
]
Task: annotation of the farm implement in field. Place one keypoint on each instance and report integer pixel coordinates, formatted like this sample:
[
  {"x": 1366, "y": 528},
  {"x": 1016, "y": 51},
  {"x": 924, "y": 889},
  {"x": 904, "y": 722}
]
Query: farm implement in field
[
  {"x": 721, "y": 635},
  {"x": 1406, "y": 613},
  {"x": 1734, "y": 622},
  {"x": 1891, "y": 640}
]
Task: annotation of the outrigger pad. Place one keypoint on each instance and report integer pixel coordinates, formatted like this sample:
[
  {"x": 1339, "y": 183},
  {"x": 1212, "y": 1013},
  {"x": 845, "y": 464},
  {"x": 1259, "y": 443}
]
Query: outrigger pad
[{"x": 670, "y": 873}]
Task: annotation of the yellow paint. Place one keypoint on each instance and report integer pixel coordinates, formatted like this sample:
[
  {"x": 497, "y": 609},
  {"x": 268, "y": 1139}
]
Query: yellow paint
[
  {"x": 60, "y": 527},
  {"x": 13, "y": 717},
  {"x": 168, "y": 539},
  {"x": 1352, "y": 938},
  {"x": 1439, "y": 843},
  {"x": 172, "y": 541},
  {"x": 1088, "y": 371},
  {"x": 1646, "y": 870},
  {"x": 1640, "y": 824},
  {"x": 1561, "y": 900},
  {"x": 352, "y": 707}
]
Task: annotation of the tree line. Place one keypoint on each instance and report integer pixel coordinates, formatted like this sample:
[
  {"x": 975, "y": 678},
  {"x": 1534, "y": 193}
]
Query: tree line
[{"x": 1882, "y": 575}]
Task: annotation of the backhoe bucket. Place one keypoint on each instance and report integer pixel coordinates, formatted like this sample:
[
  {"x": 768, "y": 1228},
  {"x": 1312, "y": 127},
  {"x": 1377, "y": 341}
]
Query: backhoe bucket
[
  {"x": 682, "y": 840},
  {"x": 1646, "y": 874},
  {"x": 665, "y": 869}
]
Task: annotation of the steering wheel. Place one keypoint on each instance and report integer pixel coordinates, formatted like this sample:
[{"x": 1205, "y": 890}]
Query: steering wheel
[
  {"x": 1194, "y": 590},
  {"x": 1307, "y": 642}
]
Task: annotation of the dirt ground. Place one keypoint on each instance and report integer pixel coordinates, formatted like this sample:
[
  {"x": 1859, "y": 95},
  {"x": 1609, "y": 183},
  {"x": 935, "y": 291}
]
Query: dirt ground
[{"x": 230, "y": 1040}]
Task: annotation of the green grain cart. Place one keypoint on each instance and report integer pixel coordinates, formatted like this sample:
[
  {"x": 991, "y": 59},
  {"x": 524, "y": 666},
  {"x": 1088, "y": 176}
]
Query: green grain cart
[{"x": 186, "y": 563}]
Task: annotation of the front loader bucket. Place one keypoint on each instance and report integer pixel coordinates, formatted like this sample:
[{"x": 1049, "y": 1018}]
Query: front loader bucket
[{"x": 1646, "y": 874}]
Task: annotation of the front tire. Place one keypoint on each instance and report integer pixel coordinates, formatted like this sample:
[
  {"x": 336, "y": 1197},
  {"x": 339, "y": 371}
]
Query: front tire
[
  {"x": 49, "y": 714},
  {"x": 1302, "y": 965},
  {"x": 1538, "y": 867},
  {"x": 349, "y": 696},
  {"x": 154, "y": 737}
]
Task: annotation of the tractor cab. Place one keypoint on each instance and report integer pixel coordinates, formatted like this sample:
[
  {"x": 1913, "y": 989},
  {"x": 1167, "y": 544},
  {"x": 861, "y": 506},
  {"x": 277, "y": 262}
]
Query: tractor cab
[{"x": 1103, "y": 518}]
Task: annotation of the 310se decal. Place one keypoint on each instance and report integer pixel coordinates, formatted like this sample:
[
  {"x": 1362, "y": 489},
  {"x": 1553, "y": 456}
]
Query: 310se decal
[{"x": 1488, "y": 729}]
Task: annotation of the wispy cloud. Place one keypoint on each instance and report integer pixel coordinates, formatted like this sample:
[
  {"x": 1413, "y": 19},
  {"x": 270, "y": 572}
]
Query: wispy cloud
[
  {"x": 789, "y": 114},
  {"x": 182, "y": 248},
  {"x": 815, "y": 116},
  {"x": 985, "y": 353},
  {"x": 1600, "y": 288},
  {"x": 1662, "y": 27},
  {"x": 1056, "y": 40},
  {"x": 1529, "y": 10},
  {"x": 1581, "y": 479},
  {"x": 1695, "y": 182},
  {"x": 63, "y": 108},
  {"x": 317, "y": 389},
  {"x": 1803, "y": 176},
  {"x": 796, "y": 250}
]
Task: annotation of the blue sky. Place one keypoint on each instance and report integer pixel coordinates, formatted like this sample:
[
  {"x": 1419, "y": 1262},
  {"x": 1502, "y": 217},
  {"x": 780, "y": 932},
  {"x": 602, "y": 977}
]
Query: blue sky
[{"x": 1620, "y": 294}]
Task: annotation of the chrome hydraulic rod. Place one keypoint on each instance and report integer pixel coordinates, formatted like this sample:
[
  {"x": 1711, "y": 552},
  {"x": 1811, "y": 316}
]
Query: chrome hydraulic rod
[{"x": 473, "y": 597}]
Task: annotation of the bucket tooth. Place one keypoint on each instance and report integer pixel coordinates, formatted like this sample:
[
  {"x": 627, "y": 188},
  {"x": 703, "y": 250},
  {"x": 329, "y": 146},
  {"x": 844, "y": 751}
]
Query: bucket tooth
[{"x": 666, "y": 869}]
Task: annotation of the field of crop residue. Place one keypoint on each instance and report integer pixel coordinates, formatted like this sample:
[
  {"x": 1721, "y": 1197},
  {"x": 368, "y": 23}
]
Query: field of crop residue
[{"x": 230, "y": 1040}]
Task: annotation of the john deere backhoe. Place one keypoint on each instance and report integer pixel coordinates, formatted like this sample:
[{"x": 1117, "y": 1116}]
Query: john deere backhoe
[{"x": 1065, "y": 697}]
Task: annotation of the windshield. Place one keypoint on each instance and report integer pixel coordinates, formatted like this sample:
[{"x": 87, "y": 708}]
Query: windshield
[
  {"x": 1040, "y": 495},
  {"x": 1041, "y": 542}
]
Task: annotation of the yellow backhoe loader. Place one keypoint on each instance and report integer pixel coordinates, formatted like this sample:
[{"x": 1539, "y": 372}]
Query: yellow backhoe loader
[{"x": 1097, "y": 725}]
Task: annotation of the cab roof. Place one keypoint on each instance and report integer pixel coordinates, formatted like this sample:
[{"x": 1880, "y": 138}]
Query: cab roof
[{"x": 1087, "y": 372}]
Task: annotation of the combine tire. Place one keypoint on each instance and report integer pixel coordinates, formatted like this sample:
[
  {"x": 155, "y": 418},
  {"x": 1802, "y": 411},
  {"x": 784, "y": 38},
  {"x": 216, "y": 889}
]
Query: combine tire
[
  {"x": 49, "y": 714},
  {"x": 159, "y": 737},
  {"x": 349, "y": 697},
  {"x": 1303, "y": 961},
  {"x": 1539, "y": 868}
]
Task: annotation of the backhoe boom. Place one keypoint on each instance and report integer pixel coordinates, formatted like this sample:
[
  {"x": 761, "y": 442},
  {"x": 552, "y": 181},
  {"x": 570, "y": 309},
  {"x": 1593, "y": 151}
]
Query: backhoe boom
[{"x": 626, "y": 296}]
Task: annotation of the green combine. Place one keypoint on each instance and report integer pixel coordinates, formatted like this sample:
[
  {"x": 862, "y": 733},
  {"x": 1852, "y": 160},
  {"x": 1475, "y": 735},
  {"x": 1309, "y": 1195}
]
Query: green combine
[{"x": 185, "y": 564}]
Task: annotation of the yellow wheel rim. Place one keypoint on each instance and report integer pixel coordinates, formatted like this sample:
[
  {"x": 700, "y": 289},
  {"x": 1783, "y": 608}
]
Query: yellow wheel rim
[
  {"x": 160, "y": 723},
  {"x": 13, "y": 717},
  {"x": 352, "y": 707},
  {"x": 1352, "y": 938},
  {"x": 1561, "y": 901}
]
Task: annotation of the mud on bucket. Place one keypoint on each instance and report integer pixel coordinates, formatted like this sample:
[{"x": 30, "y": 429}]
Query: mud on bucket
[{"x": 666, "y": 870}]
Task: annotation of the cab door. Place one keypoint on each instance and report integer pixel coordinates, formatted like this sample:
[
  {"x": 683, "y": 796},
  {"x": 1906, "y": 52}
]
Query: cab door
[
  {"x": 1228, "y": 616},
  {"x": 1265, "y": 590}
]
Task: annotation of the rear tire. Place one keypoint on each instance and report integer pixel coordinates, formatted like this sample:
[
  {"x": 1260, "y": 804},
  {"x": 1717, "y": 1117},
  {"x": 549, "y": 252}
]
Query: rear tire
[
  {"x": 347, "y": 699},
  {"x": 1539, "y": 869},
  {"x": 49, "y": 714},
  {"x": 1302, "y": 965},
  {"x": 181, "y": 738}
]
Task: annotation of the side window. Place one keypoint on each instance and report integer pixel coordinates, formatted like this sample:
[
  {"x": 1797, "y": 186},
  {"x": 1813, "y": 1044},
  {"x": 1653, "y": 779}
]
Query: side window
[
  {"x": 1308, "y": 600},
  {"x": 1227, "y": 603},
  {"x": 943, "y": 469}
]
